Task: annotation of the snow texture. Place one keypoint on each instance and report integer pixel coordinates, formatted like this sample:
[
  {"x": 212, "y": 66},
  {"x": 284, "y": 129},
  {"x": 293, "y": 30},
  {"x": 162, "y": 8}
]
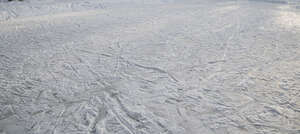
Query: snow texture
[{"x": 150, "y": 67}]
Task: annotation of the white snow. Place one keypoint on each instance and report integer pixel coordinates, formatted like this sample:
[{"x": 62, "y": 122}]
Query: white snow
[{"x": 149, "y": 67}]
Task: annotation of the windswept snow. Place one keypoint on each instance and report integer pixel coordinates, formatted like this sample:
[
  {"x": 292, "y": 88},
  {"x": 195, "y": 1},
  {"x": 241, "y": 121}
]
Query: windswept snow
[{"x": 149, "y": 67}]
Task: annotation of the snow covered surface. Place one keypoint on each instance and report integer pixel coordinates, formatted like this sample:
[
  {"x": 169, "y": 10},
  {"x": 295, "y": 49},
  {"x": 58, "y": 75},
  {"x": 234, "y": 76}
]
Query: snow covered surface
[{"x": 149, "y": 67}]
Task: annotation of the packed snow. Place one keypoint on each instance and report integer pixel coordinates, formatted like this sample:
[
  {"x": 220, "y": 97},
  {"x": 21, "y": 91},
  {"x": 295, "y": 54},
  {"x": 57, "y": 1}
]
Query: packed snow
[{"x": 150, "y": 67}]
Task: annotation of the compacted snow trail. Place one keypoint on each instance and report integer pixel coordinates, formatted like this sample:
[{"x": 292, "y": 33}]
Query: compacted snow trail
[{"x": 149, "y": 67}]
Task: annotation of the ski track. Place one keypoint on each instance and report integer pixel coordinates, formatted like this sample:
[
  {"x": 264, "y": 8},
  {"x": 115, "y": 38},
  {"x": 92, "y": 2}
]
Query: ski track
[{"x": 149, "y": 67}]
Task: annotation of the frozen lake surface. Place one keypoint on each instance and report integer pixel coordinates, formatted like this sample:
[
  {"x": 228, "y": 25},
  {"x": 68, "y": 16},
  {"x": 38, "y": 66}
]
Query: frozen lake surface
[{"x": 150, "y": 67}]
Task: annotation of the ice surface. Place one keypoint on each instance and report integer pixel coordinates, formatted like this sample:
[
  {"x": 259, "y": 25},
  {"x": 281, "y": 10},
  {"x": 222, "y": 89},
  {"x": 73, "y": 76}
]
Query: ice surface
[{"x": 149, "y": 67}]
